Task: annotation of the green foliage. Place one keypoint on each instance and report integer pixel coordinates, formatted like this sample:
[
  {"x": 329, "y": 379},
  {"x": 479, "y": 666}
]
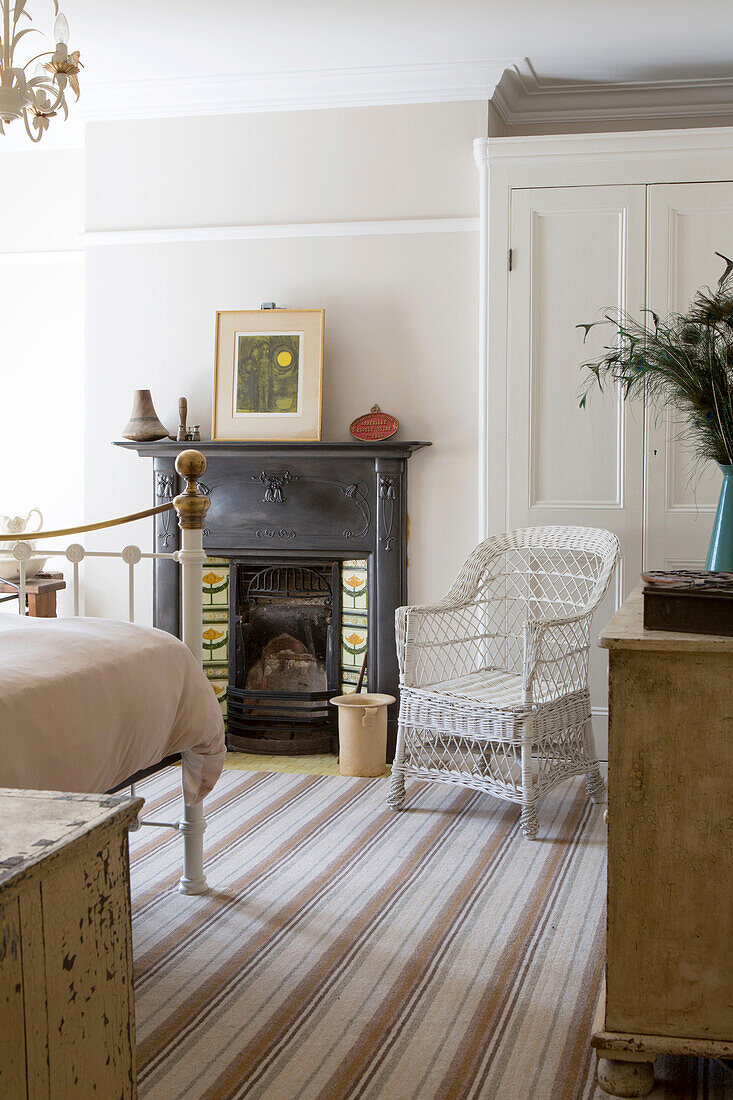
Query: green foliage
[{"x": 684, "y": 362}]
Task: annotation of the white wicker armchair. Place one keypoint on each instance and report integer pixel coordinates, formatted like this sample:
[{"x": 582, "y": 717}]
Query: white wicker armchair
[{"x": 494, "y": 678}]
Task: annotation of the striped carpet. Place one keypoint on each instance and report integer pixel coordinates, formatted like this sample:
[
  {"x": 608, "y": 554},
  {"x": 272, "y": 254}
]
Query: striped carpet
[{"x": 347, "y": 951}]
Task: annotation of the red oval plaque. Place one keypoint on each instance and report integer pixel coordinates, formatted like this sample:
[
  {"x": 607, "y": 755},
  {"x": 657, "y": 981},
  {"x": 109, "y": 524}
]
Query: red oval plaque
[{"x": 374, "y": 426}]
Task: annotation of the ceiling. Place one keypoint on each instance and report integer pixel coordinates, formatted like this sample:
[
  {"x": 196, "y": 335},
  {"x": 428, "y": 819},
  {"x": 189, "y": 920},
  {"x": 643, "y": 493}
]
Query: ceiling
[
  {"x": 565, "y": 39},
  {"x": 157, "y": 57}
]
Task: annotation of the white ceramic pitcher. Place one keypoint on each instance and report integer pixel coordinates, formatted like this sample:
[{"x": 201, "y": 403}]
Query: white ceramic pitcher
[{"x": 19, "y": 525}]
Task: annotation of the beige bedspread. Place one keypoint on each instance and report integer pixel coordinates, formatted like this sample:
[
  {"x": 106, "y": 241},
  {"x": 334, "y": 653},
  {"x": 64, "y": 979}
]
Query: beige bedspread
[{"x": 85, "y": 703}]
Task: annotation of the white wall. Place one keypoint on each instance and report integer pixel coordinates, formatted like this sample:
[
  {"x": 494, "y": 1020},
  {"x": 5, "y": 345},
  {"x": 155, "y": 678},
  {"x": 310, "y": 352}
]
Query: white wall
[
  {"x": 41, "y": 335},
  {"x": 400, "y": 306}
]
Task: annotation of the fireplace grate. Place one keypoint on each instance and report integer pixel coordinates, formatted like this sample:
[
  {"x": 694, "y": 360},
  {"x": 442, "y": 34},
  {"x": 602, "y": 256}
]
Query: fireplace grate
[
  {"x": 286, "y": 667},
  {"x": 289, "y": 582}
]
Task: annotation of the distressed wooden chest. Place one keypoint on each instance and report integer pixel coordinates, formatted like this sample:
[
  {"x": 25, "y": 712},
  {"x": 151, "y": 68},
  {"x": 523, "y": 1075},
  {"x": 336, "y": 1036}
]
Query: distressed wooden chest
[
  {"x": 669, "y": 954},
  {"x": 66, "y": 999}
]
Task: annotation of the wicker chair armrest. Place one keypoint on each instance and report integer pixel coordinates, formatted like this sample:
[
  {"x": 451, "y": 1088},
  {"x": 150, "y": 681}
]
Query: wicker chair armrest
[
  {"x": 408, "y": 618},
  {"x": 556, "y": 649},
  {"x": 427, "y": 628},
  {"x": 560, "y": 620}
]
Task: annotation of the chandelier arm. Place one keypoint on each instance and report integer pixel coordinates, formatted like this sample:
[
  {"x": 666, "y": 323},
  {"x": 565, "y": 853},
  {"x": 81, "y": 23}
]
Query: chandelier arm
[
  {"x": 46, "y": 53},
  {"x": 59, "y": 98},
  {"x": 47, "y": 87},
  {"x": 43, "y": 84},
  {"x": 30, "y": 132}
]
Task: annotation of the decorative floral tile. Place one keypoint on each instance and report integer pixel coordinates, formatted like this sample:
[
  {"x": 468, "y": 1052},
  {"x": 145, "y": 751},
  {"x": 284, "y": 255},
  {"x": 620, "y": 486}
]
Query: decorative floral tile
[
  {"x": 359, "y": 619},
  {"x": 220, "y": 690},
  {"x": 215, "y": 633},
  {"x": 217, "y": 672},
  {"x": 354, "y": 621},
  {"x": 349, "y": 681},
  {"x": 354, "y": 583},
  {"x": 215, "y": 584},
  {"x": 216, "y": 615},
  {"x": 353, "y": 647},
  {"x": 216, "y": 642}
]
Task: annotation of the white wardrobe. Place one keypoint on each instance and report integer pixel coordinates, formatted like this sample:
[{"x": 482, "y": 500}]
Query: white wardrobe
[{"x": 571, "y": 225}]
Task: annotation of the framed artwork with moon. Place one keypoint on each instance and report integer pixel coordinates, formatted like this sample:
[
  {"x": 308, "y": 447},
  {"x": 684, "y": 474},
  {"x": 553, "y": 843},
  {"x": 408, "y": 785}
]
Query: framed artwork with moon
[{"x": 268, "y": 374}]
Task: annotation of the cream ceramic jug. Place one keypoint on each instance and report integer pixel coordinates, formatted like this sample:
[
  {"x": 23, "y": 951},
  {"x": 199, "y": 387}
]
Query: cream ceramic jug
[{"x": 18, "y": 525}]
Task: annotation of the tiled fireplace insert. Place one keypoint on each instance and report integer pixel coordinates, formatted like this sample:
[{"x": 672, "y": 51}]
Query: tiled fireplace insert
[{"x": 308, "y": 561}]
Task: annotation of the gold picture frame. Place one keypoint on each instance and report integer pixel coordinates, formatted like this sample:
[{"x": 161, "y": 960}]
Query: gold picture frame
[{"x": 268, "y": 375}]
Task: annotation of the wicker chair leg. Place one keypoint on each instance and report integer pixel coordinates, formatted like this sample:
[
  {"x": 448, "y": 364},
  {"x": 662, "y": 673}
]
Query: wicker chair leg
[
  {"x": 529, "y": 822},
  {"x": 595, "y": 786},
  {"x": 396, "y": 795}
]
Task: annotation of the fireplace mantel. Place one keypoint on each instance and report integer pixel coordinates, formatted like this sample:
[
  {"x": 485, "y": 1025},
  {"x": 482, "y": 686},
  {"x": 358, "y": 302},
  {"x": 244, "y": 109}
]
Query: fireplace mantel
[
  {"x": 298, "y": 501},
  {"x": 395, "y": 448}
]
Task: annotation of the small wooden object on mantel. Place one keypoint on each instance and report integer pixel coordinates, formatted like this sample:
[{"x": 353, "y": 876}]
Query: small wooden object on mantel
[
  {"x": 185, "y": 434},
  {"x": 144, "y": 425}
]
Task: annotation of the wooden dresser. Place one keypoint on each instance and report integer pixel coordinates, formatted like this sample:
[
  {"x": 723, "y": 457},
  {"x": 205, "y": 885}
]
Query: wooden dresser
[
  {"x": 66, "y": 1001},
  {"x": 669, "y": 964}
]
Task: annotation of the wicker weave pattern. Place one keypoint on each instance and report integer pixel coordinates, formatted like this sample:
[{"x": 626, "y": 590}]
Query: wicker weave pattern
[{"x": 494, "y": 677}]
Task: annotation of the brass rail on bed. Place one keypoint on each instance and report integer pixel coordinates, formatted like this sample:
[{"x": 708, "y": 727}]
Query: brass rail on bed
[{"x": 91, "y": 526}]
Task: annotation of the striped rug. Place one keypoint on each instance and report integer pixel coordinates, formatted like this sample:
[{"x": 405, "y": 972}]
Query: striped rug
[{"x": 347, "y": 951}]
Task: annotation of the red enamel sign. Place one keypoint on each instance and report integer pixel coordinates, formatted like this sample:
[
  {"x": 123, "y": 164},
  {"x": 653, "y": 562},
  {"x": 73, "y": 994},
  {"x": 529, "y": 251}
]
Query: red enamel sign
[{"x": 374, "y": 425}]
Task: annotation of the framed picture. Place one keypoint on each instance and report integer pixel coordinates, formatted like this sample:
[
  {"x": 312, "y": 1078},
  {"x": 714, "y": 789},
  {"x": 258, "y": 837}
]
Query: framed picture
[{"x": 268, "y": 374}]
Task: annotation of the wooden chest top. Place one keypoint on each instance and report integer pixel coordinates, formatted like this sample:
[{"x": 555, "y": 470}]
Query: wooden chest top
[
  {"x": 626, "y": 631},
  {"x": 36, "y": 826}
]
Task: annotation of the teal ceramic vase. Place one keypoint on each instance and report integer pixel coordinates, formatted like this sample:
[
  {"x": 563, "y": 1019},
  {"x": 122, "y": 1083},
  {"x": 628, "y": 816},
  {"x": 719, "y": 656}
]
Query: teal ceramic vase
[{"x": 720, "y": 551}]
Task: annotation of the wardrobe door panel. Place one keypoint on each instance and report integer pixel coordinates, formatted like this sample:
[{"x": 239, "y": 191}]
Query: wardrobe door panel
[
  {"x": 688, "y": 224},
  {"x": 575, "y": 250}
]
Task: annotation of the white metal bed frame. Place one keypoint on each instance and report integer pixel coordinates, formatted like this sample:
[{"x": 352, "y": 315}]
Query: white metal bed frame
[{"x": 191, "y": 507}]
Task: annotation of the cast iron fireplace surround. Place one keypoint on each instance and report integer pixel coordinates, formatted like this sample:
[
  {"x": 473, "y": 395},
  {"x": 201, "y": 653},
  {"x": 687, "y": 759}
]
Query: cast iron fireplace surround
[{"x": 298, "y": 503}]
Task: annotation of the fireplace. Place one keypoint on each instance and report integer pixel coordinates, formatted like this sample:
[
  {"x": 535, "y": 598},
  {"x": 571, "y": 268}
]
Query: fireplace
[
  {"x": 284, "y": 518},
  {"x": 284, "y": 664}
]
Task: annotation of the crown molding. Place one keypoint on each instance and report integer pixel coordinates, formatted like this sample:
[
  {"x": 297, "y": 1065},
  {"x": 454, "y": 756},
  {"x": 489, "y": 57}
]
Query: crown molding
[
  {"x": 288, "y": 91},
  {"x": 522, "y": 98},
  {"x": 682, "y": 144}
]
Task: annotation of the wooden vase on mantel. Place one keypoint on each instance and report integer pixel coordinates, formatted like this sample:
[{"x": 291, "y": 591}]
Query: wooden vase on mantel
[{"x": 144, "y": 426}]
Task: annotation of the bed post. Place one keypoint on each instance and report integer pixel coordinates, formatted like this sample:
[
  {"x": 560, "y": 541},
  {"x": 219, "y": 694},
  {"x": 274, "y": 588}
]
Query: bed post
[{"x": 192, "y": 506}]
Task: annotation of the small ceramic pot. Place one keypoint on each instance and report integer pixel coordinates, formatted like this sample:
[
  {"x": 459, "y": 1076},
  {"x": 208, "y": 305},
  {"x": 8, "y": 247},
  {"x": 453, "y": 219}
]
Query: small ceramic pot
[{"x": 143, "y": 425}]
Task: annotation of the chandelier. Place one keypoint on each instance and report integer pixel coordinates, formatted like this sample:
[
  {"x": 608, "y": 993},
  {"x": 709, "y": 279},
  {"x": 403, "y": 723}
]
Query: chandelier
[{"x": 42, "y": 96}]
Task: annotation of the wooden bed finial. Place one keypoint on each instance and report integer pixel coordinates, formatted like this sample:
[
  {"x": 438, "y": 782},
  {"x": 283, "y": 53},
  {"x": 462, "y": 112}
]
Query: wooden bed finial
[{"x": 192, "y": 504}]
